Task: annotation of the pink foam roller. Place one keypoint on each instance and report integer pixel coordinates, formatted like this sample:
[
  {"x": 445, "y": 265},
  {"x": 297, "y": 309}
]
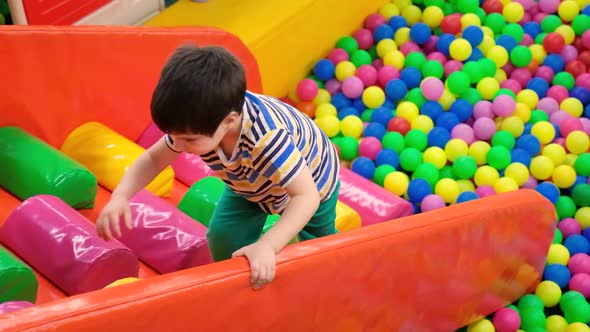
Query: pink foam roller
[
  {"x": 188, "y": 168},
  {"x": 63, "y": 245},
  {"x": 164, "y": 237},
  {"x": 11, "y": 306},
  {"x": 373, "y": 203}
]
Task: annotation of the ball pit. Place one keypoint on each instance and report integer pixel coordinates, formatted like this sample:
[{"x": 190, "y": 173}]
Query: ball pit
[{"x": 454, "y": 101}]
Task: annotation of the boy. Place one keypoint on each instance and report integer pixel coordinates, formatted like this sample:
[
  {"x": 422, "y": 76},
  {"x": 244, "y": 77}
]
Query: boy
[{"x": 273, "y": 158}]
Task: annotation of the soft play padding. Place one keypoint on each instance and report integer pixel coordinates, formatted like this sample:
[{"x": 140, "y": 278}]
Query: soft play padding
[
  {"x": 17, "y": 280},
  {"x": 11, "y": 306},
  {"x": 373, "y": 203},
  {"x": 201, "y": 198},
  {"x": 188, "y": 168},
  {"x": 346, "y": 217},
  {"x": 32, "y": 167},
  {"x": 63, "y": 245},
  {"x": 163, "y": 237},
  {"x": 108, "y": 155}
]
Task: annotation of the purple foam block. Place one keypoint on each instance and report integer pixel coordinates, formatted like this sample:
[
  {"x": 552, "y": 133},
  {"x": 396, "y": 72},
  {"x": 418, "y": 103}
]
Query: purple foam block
[
  {"x": 188, "y": 168},
  {"x": 373, "y": 203},
  {"x": 11, "y": 306},
  {"x": 163, "y": 237},
  {"x": 63, "y": 245}
]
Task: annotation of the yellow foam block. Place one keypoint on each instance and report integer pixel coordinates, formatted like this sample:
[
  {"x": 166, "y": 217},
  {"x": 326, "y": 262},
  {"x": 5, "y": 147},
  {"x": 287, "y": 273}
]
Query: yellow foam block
[
  {"x": 287, "y": 37},
  {"x": 108, "y": 155},
  {"x": 346, "y": 218}
]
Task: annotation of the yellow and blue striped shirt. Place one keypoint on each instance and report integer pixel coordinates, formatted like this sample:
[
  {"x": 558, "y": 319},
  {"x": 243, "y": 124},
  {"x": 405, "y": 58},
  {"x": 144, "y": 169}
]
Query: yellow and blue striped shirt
[{"x": 276, "y": 143}]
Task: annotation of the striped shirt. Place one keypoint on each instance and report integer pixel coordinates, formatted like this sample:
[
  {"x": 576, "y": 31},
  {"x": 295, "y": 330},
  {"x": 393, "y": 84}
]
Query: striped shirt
[{"x": 276, "y": 142}]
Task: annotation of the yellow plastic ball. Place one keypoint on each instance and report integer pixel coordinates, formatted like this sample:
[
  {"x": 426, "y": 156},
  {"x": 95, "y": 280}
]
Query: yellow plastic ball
[
  {"x": 538, "y": 52},
  {"x": 412, "y": 14},
  {"x": 486, "y": 44},
  {"x": 500, "y": 75},
  {"x": 486, "y": 176},
  {"x": 373, "y": 97},
  {"x": 570, "y": 159},
  {"x": 554, "y": 151},
  {"x": 323, "y": 97},
  {"x": 483, "y": 325},
  {"x": 549, "y": 292},
  {"x": 397, "y": 183},
  {"x": 567, "y": 33},
  {"x": 513, "y": 12},
  {"x": 122, "y": 282},
  {"x": 448, "y": 189},
  {"x": 488, "y": 87},
  {"x": 583, "y": 216},
  {"x": 478, "y": 150},
  {"x": 514, "y": 125},
  {"x": 568, "y": 10},
  {"x": 469, "y": 19},
  {"x": 556, "y": 323},
  {"x": 447, "y": 99},
  {"x": 329, "y": 124},
  {"x": 529, "y": 97},
  {"x": 385, "y": 46},
  {"x": 505, "y": 184},
  {"x": 573, "y": 106},
  {"x": 498, "y": 54},
  {"x": 395, "y": 59},
  {"x": 402, "y": 36},
  {"x": 407, "y": 110},
  {"x": 465, "y": 185},
  {"x": 422, "y": 123},
  {"x": 518, "y": 172},
  {"x": 432, "y": 16},
  {"x": 435, "y": 156},
  {"x": 558, "y": 254},
  {"x": 455, "y": 148},
  {"x": 344, "y": 70},
  {"x": 352, "y": 126},
  {"x": 325, "y": 110},
  {"x": 523, "y": 112},
  {"x": 577, "y": 142},
  {"x": 542, "y": 167},
  {"x": 389, "y": 10},
  {"x": 460, "y": 49},
  {"x": 577, "y": 327},
  {"x": 487, "y": 32},
  {"x": 564, "y": 176},
  {"x": 582, "y": 3},
  {"x": 401, "y": 4},
  {"x": 544, "y": 131}
]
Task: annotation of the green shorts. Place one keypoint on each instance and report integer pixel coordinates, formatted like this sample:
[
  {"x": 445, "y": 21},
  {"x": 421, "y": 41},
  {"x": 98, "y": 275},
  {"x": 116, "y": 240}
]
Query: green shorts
[{"x": 238, "y": 222}]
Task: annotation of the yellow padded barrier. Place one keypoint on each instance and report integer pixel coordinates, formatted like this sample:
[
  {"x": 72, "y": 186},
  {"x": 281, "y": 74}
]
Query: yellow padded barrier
[
  {"x": 108, "y": 155},
  {"x": 287, "y": 37},
  {"x": 346, "y": 218}
]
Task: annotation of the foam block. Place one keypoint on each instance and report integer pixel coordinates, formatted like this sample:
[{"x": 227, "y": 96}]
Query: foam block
[
  {"x": 63, "y": 246},
  {"x": 373, "y": 203},
  {"x": 188, "y": 168},
  {"x": 11, "y": 306},
  {"x": 201, "y": 198},
  {"x": 32, "y": 167},
  {"x": 108, "y": 155},
  {"x": 17, "y": 280},
  {"x": 163, "y": 237}
]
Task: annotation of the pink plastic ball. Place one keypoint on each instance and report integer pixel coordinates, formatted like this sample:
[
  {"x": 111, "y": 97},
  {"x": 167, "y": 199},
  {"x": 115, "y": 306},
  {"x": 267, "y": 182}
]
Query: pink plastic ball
[
  {"x": 548, "y": 105},
  {"x": 557, "y": 117},
  {"x": 386, "y": 74},
  {"x": 307, "y": 89},
  {"x": 364, "y": 37},
  {"x": 545, "y": 72},
  {"x": 369, "y": 147},
  {"x": 483, "y": 109},
  {"x": 560, "y": 141},
  {"x": 504, "y": 105},
  {"x": 527, "y": 4},
  {"x": 558, "y": 92},
  {"x": 432, "y": 88},
  {"x": 464, "y": 132},
  {"x": 367, "y": 74},
  {"x": 579, "y": 263},
  {"x": 583, "y": 80},
  {"x": 452, "y": 66},
  {"x": 549, "y": 6},
  {"x": 333, "y": 86},
  {"x": 373, "y": 21},
  {"x": 527, "y": 17},
  {"x": 352, "y": 87},
  {"x": 521, "y": 75},
  {"x": 511, "y": 85},
  {"x": 569, "y": 53},
  {"x": 586, "y": 39},
  {"x": 586, "y": 125},
  {"x": 569, "y": 227},
  {"x": 377, "y": 64},
  {"x": 437, "y": 56},
  {"x": 432, "y": 202},
  {"x": 430, "y": 45},
  {"x": 485, "y": 190},
  {"x": 581, "y": 283},
  {"x": 410, "y": 47},
  {"x": 527, "y": 40},
  {"x": 539, "y": 17},
  {"x": 508, "y": 68},
  {"x": 506, "y": 320},
  {"x": 570, "y": 124},
  {"x": 531, "y": 183},
  {"x": 337, "y": 55},
  {"x": 484, "y": 128}
]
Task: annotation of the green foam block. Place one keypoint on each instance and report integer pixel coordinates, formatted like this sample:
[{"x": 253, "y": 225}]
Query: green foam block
[
  {"x": 31, "y": 167},
  {"x": 17, "y": 280}
]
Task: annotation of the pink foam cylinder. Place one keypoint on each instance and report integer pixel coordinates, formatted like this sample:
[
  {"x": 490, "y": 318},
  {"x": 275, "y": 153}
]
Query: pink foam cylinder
[
  {"x": 188, "y": 168},
  {"x": 373, "y": 203},
  {"x": 63, "y": 245},
  {"x": 163, "y": 237},
  {"x": 11, "y": 306}
]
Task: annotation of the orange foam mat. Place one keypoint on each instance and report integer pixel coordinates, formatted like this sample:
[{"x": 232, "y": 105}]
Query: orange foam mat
[{"x": 434, "y": 271}]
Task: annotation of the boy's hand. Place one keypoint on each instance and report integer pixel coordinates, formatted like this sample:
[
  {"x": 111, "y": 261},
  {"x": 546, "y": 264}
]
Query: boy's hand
[
  {"x": 110, "y": 217},
  {"x": 262, "y": 262}
]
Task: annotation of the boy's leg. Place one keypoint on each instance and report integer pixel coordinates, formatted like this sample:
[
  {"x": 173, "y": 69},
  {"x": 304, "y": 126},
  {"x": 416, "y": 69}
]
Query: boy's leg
[
  {"x": 235, "y": 223},
  {"x": 323, "y": 221}
]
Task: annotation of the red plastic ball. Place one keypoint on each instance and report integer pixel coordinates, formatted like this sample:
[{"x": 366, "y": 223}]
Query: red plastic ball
[
  {"x": 553, "y": 42},
  {"x": 451, "y": 24},
  {"x": 399, "y": 124},
  {"x": 578, "y": 44},
  {"x": 492, "y": 6},
  {"x": 575, "y": 68},
  {"x": 584, "y": 56}
]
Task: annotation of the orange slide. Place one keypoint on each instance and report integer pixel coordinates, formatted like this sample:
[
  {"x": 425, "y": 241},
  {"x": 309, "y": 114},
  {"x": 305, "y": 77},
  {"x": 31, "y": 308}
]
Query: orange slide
[{"x": 435, "y": 271}]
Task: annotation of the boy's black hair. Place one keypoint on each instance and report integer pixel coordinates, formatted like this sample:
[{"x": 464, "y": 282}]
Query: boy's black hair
[{"x": 198, "y": 88}]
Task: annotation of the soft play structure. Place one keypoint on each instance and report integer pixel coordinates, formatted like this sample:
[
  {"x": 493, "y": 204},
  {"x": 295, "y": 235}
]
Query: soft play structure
[{"x": 72, "y": 120}]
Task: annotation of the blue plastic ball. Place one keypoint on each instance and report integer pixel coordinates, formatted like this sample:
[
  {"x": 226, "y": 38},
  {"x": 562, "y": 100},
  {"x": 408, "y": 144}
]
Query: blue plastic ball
[
  {"x": 476, "y": 54},
  {"x": 577, "y": 244},
  {"x": 420, "y": 33},
  {"x": 359, "y": 104},
  {"x": 411, "y": 76},
  {"x": 529, "y": 143},
  {"x": 397, "y": 22},
  {"x": 364, "y": 167},
  {"x": 418, "y": 189},
  {"x": 439, "y": 136},
  {"x": 521, "y": 156},
  {"x": 539, "y": 85},
  {"x": 462, "y": 109},
  {"x": 467, "y": 196},
  {"x": 555, "y": 62},
  {"x": 507, "y": 41},
  {"x": 549, "y": 191},
  {"x": 382, "y": 115},
  {"x": 387, "y": 157},
  {"x": 384, "y": 31},
  {"x": 444, "y": 43},
  {"x": 557, "y": 273},
  {"x": 432, "y": 109},
  {"x": 473, "y": 34},
  {"x": 324, "y": 69},
  {"x": 448, "y": 120},
  {"x": 346, "y": 111},
  {"x": 581, "y": 93},
  {"x": 339, "y": 100},
  {"x": 375, "y": 129},
  {"x": 532, "y": 29},
  {"x": 396, "y": 90}
]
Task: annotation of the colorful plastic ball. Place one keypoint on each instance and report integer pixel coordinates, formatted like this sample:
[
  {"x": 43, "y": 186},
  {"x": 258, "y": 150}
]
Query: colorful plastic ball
[
  {"x": 324, "y": 69},
  {"x": 542, "y": 167},
  {"x": 549, "y": 191},
  {"x": 432, "y": 88},
  {"x": 381, "y": 173},
  {"x": 482, "y": 325},
  {"x": 565, "y": 207},
  {"x": 122, "y": 281},
  {"x": 352, "y": 87},
  {"x": 486, "y": 175},
  {"x": 337, "y": 55},
  {"x": 568, "y": 10},
  {"x": 577, "y": 244},
  {"x": 435, "y": 156},
  {"x": 549, "y": 6},
  {"x": 506, "y": 319},
  {"x": 518, "y": 172},
  {"x": 410, "y": 159},
  {"x": 456, "y": 148},
  {"x": 396, "y": 90},
  {"x": 557, "y": 273},
  {"x": 569, "y": 227},
  {"x": 579, "y": 263},
  {"x": 464, "y": 167},
  {"x": 504, "y": 105},
  {"x": 387, "y": 157},
  {"x": 418, "y": 189},
  {"x": 432, "y": 16},
  {"x": 582, "y": 164},
  {"x": 369, "y": 147},
  {"x": 420, "y": 33},
  {"x": 581, "y": 194},
  {"x": 529, "y": 143},
  {"x": 553, "y": 42},
  {"x": 307, "y": 89},
  {"x": 505, "y": 184},
  {"x": 363, "y": 166},
  {"x": 460, "y": 49},
  {"x": 556, "y": 323},
  {"x": 351, "y": 126},
  {"x": 544, "y": 131},
  {"x": 558, "y": 254},
  {"x": 478, "y": 151},
  {"x": 344, "y": 69},
  {"x": 503, "y": 138},
  {"x": 397, "y": 183},
  {"x": 513, "y": 12},
  {"x": 484, "y": 128},
  {"x": 373, "y": 97},
  {"x": 448, "y": 189},
  {"x": 399, "y": 124},
  {"x": 349, "y": 148},
  {"x": 458, "y": 82},
  {"x": 577, "y": 142},
  {"x": 498, "y": 157},
  {"x": 432, "y": 202},
  {"x": 485, "y": 190},
  {"x": 549, "y": 292},
  {"x": 521, "y": 56}
]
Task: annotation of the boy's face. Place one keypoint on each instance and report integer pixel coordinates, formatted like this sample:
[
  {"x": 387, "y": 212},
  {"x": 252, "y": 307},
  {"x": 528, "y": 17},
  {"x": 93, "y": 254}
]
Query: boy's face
[{"x": 201, "y": 144}]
